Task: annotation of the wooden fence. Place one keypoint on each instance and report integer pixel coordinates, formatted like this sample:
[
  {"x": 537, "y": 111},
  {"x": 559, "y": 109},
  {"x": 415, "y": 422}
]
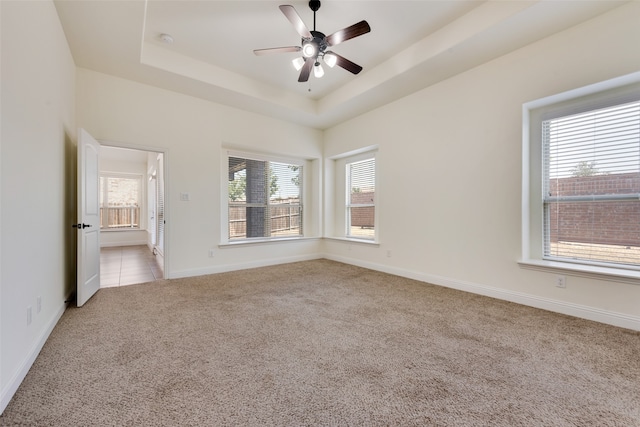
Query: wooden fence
[
  {"x": 120, "y": 217},
  {"x": 284, "y": 219}
]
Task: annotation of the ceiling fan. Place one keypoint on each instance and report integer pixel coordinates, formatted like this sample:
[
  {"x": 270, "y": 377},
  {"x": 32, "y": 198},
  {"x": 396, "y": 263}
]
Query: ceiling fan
[{"x": 315, "y": 44}]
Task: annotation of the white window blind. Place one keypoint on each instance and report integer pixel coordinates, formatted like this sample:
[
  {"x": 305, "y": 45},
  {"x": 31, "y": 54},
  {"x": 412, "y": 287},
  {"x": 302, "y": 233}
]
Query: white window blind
[
  {"x": 591, "y": 186},
  {"x": 265, "y": 199},
  {"x": 160, "y": 205},
  {"x": 361, "y": 191}
]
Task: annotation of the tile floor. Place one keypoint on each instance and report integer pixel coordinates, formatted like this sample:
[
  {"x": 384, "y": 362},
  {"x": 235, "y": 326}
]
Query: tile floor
[{"x": 127, "y": 265}]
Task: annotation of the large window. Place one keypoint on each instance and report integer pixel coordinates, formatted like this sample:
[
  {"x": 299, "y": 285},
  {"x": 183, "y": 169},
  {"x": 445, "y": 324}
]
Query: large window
[
  {"x": 592, "y": 185},
  {"x": 360, "y": 203},
  {"x": 264, "y": 198},
  {"x": 581, "y": 179},
  {"x": 120, "y": 201}
]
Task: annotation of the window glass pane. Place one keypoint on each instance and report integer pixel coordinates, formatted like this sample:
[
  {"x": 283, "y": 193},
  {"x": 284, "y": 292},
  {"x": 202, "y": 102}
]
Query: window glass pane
[
  {"x": 362, "y": 223},
  {"x": 264, "y": 199},
  {"x": 362, "y": 179},
  {"x": 607, "y": 231},
  {"x": 592, "y": 185},
  {"x": 120, "y": 202},
  {"x": 361, "y": 199},
  {"x": 286, "y": 218},
  {"x": 286, "y": 207}
]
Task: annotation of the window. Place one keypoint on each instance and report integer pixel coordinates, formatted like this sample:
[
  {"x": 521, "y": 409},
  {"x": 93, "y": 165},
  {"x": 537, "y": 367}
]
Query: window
[
  {"x": 592, "y": 185},
  {"x": 120, "y": 200},
  {"x": 360, "y": 203},
  {"x": 581, "y": 179},
  {"x": 264, "y": 198}
]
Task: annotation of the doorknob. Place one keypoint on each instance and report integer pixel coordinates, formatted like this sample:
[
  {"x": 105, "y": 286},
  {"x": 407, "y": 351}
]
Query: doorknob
[{"x": 81, "y": 226}]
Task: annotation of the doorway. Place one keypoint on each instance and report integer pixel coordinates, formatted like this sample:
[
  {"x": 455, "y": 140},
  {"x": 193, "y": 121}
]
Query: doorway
[
  {"x": 129, "y": 265},
  {"x": 132, "y": 243}
]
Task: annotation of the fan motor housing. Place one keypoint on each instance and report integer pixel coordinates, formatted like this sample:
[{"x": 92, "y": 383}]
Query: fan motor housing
[{"x": 319, "y": 39}]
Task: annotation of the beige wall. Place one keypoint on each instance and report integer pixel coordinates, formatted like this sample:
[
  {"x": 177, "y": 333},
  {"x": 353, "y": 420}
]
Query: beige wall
[
  {"x": 193, "y": 132},
  {"x": 38, "y": 183},
  {"x": 454, "y": 151}
]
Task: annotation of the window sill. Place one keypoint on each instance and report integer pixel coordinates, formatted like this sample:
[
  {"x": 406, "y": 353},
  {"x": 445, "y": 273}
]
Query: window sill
[
  {"x": 352, "y": 240},
  {"x": 294, "y": 239},
  {"x": 588, "y": 271},
  {"x": 263, "y": 241},
  {"x": 119, "y": 230}
]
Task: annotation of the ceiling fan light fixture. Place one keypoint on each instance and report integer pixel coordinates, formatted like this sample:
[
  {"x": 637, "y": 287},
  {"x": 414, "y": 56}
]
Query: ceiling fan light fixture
[
  {"x": 330, "y": 59},
  {"x": 317, "y": 70},
  {"x": 314, "y": 44},
  {"x": 309, "y": 50},
  {"x": 298, "y": 63}
]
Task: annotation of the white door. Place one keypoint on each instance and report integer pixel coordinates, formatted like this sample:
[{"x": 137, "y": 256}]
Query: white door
[{"x": 88, "y": 258}]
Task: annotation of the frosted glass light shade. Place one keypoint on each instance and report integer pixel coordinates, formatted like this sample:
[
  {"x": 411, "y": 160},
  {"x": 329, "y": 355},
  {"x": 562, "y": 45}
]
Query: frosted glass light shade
[
  {"x": 317, "y": 70},
  {"x": 330, "y": 59},
  {"x": 298, "y": 63}
]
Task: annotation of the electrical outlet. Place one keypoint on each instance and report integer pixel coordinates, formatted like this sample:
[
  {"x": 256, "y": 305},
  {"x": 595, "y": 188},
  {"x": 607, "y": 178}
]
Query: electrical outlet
[
  {"x": 184, "y": 197},
  {"x": 388, "y": 254},
  {"x": 28, "y": 315},
  {"x": 212, "y": 253},
  {"x": 561, "y": 281},
  {"x": 38, "y": 304}
]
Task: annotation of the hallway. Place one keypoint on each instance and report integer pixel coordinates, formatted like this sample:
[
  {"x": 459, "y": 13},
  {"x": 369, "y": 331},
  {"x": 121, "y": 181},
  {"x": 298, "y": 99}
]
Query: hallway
[{"x": 128, "y": 265}]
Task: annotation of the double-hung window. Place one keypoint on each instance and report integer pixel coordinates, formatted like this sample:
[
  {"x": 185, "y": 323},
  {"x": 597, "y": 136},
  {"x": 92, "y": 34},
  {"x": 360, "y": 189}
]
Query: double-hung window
[
  {"x": 592, "y": 185},
  {"x": 120, "y": 201},
  {"x": 264, "y": 197},
  {"x": 582, "y": 188},
  {"x": 360, "y": 204}
]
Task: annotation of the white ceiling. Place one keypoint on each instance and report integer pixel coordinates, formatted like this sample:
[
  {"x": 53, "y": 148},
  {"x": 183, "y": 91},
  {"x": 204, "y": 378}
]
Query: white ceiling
[{"x": 412, "y": 44}]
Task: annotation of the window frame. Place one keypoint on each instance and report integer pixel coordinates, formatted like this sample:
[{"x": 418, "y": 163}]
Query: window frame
[
  {"x": 225, "y": 239},
  {"x": 336, "y": 206},
  {"x": 141, "y": 199},
  {"x": 349, "y": 205},
  {"x": 600, "y": 95}
]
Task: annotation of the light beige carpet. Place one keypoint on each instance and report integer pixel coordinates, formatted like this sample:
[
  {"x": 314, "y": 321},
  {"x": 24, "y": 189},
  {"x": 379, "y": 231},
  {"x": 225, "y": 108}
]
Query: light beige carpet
[{"x": 324, "y": 343}]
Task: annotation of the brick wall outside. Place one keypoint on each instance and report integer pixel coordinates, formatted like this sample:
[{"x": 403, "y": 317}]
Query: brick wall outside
[
  {"x": 362, "y": 217},
  {"x": 602, "y": 222}
]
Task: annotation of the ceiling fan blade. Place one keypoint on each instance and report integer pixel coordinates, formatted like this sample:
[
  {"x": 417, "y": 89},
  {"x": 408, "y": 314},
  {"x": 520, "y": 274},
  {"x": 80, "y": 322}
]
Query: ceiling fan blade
[
  {"x": 277, "y": 50},
  {"x": 348, "y": 33},
  {"x": 306, "y": 70},
  {"x": 343, "y": 62},
  {"x": 293, "y": 17}
]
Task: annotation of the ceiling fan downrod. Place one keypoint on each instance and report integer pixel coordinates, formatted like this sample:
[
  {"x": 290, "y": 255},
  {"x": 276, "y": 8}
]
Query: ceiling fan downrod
[{"x": 314, "y": 5}]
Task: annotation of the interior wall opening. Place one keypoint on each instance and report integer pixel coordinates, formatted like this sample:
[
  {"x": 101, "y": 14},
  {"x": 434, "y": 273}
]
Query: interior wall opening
[{"x": 132, "y": 224}]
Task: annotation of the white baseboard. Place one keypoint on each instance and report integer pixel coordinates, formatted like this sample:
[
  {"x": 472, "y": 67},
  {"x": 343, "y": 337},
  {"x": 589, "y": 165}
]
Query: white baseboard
[
  {"x": 124, "y": 243},
  {"x": 241, "y": 266},
  {"x": 575, "y": 310},
  {"x": 17, "y": 378}
]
